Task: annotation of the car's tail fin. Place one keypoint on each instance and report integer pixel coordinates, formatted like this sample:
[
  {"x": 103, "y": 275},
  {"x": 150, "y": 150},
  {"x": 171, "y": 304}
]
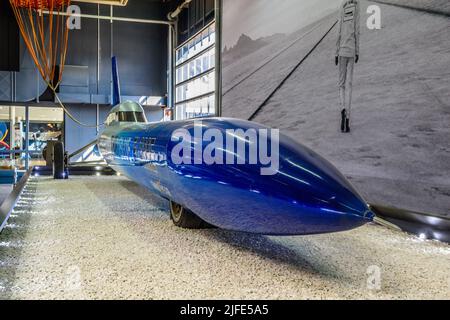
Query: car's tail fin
[{"x": 115, "y": 99}]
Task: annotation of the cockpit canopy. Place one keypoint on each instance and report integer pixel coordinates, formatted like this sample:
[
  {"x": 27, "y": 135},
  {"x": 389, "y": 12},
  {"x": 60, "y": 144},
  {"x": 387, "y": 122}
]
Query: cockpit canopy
[{"x": 126, "y": 112}]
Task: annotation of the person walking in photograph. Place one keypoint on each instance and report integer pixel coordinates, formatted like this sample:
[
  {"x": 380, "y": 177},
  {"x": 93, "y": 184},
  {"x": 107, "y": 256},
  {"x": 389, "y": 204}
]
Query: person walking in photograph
[{"x": 347, "y": 54}]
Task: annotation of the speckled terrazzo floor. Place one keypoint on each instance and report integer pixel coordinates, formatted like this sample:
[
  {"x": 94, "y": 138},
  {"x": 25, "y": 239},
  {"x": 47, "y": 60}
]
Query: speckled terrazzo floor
[{"x": 107, "y": 238}]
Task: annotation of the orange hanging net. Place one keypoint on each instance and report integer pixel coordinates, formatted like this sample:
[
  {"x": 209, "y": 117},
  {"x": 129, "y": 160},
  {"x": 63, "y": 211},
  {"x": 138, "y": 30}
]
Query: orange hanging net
[
  {"x": 41, "y": 4},
  {"x": 43, "y": 25}
]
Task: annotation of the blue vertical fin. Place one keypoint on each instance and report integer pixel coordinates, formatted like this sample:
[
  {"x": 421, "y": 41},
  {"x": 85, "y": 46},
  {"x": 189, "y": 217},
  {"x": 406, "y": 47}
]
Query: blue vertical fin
[{"x": 116, "y": 83}]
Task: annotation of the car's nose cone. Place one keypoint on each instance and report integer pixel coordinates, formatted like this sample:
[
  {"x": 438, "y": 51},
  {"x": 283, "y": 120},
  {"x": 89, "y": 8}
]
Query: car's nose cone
[
  {"x": 321, "y": 194},
  {"x": 306, "y": 195}
]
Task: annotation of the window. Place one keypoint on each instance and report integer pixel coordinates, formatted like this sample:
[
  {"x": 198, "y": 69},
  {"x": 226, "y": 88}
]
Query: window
[
  {"x": 111, "y": 118},
  {"x": 126, "y": 116},
  {"x": 196, "y": 88},
  {"x": 45, "y": 124},
  {"x": 131, "y": 116},
  {"x": 209, "y": 8},
  {"x": 195, "y": 75},
  {"x": 202, "y": 107}
]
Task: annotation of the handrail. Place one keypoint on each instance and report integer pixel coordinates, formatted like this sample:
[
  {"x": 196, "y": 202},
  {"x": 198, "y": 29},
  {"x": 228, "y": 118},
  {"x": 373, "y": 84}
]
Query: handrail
[
  {"x": 10, "y": 202},
  {"x": 93, "y": 143}
]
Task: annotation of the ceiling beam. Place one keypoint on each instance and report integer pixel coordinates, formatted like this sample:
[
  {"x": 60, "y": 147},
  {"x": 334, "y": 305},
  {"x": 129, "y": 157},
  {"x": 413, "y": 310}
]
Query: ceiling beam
[{"x": 107, "y": 2}]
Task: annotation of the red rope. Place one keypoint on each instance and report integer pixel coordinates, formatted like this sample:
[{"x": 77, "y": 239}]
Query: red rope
[
  {"x": 45, "y": 38},
  {"x": 40, "y": 4},
  {"x": 46, "y": 48}
]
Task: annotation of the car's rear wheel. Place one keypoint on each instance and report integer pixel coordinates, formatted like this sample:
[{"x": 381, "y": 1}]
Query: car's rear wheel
[{"x": 185, "y": 218}]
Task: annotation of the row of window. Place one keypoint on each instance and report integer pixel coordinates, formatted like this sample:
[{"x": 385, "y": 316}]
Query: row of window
[
  {"x": 197, "y": 87},
  {"x": 195, "y": 109},
  {"x": 197, "y": 44},
  {"x": 195, "y": 75},
  {"x": 202, "y": 64}
]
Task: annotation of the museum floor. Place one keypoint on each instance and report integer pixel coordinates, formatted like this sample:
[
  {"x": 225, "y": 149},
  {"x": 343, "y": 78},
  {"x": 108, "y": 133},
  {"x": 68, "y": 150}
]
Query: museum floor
[{"x": 107, "y": 238}]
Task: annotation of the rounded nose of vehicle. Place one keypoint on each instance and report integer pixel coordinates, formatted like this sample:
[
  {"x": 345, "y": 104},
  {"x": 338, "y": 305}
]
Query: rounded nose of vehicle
[{"x": 321, "y": 194}]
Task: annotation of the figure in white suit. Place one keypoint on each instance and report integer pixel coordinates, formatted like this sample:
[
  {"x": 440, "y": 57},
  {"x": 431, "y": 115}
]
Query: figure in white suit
[{"x": 347, "y": 54}]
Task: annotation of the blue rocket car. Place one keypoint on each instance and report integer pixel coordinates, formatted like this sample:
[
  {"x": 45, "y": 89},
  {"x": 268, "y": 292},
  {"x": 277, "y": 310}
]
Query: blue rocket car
[{"x": 304, "y": 195}]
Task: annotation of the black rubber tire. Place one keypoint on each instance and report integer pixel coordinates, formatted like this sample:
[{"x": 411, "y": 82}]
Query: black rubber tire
[
  {"x": 66, "y": 165},
  {"x": 44, "y": 153},
  {"x": 185, "y": 218},
  {"x": 58, "y": 161}
]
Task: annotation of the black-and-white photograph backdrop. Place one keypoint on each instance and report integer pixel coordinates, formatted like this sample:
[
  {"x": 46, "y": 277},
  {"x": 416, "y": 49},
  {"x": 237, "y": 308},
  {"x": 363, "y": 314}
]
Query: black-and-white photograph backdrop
[{"x": 280, "y": 69}]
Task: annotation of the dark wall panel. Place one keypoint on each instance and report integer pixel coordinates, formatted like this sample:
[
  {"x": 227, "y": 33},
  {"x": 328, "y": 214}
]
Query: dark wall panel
[
  {"x": 194, "y": 18},
  {"x": 142, "y": 58},
  {"x": 9, "y": 39}
]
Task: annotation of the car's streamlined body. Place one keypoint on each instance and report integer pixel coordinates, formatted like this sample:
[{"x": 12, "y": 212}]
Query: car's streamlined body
[{"x": 306, "y": 195}]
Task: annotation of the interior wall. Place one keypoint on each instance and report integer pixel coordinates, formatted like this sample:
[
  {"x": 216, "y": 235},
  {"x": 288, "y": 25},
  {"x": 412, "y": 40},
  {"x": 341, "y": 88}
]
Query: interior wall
[
  {"x": 77, "y": 137},
  {"x": 141, "y": 50},
  {"x": 9, "y": 38}
]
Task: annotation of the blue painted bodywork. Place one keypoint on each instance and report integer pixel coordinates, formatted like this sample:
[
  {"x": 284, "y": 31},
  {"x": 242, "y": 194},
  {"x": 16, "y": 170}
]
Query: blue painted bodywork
[
  {"x": 306, "y": 196},
  {"x": 116, "y": 82}
]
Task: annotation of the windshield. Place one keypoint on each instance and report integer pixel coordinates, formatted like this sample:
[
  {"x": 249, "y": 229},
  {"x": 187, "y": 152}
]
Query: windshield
[{"x": 131, "y": 116}]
